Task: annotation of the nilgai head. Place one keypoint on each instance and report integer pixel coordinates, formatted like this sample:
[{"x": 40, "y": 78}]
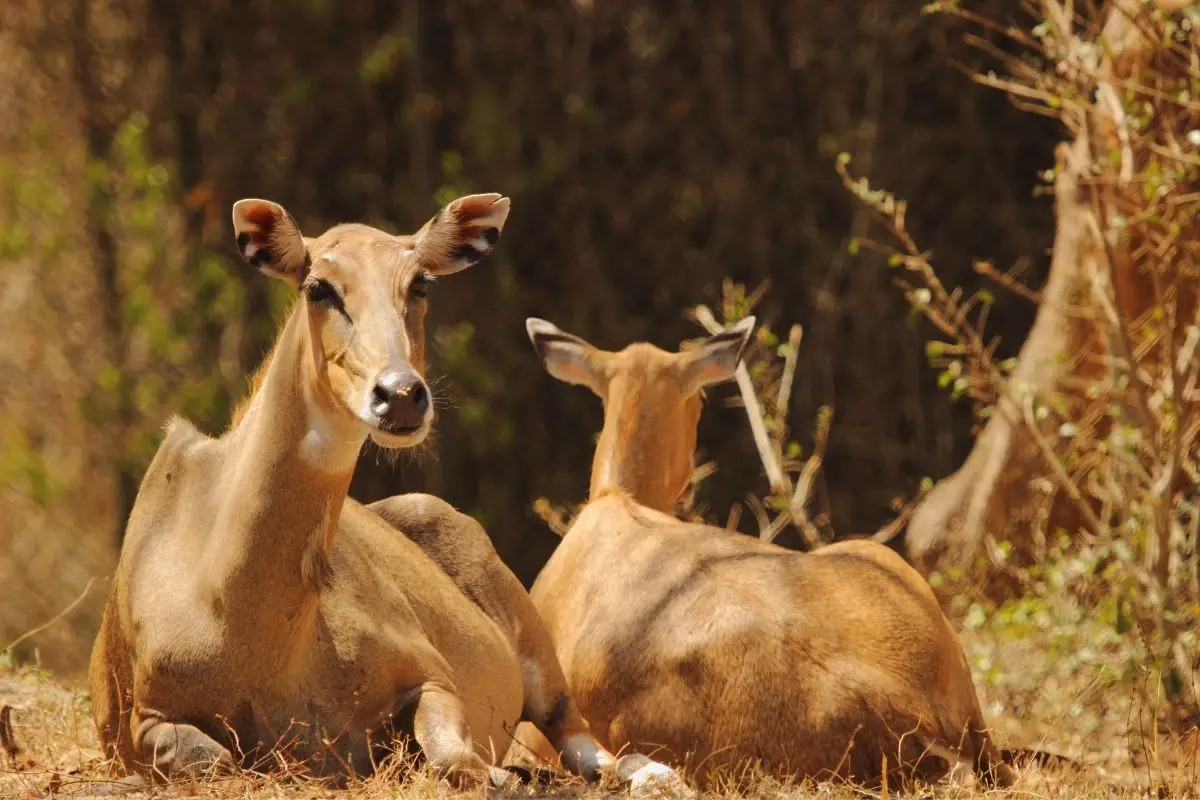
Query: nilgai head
[
  {"x": 652, "y": 401},
  {"x": 365, "y": 298}
]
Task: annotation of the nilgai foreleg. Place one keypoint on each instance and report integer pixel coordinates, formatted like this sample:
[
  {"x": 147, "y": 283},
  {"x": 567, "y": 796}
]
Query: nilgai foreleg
[
  {"x": 440, "y": 728},
  {"x": 567, "y": 732},
  {"x": 458, "y": 544},
  {"x": 176, "y": 749}
]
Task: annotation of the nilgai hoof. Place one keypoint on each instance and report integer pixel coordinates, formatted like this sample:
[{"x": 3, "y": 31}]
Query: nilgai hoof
[
  {"x": 502, "y": 779},
  {"x": 533, "y": 776}
]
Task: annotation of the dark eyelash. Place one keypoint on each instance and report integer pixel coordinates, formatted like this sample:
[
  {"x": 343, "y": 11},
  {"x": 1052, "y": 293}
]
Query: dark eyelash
[
  {"x": 320, "y": 291},
  {"x": 420, "y": 284}
]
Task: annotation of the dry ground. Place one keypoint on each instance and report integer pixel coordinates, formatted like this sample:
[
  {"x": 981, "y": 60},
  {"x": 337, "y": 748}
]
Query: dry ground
[{"x": 52, "y": 723}]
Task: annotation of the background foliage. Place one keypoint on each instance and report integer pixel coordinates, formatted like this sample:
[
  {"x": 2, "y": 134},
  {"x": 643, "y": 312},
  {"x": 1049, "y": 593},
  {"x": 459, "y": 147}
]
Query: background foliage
[{"x": 651, "y": 149}]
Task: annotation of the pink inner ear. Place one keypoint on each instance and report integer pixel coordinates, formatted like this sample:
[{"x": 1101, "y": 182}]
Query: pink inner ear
[{"x": 261, "y": 215}]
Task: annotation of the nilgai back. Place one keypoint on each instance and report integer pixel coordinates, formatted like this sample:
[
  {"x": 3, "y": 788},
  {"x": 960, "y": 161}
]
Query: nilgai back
[{"x": 720, "y": 652}]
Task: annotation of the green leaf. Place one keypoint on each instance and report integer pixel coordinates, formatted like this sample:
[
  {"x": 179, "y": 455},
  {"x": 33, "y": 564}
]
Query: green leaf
[{"x": 383, "y": 58}]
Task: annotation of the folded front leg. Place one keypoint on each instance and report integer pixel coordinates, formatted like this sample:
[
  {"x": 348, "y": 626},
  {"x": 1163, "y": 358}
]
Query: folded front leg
[
  {"x": 565, "y": 735},
  {"x": 553, "y": 712},
  {"x": 440, "y": 728},
  {"x": 175, "y": 749}
]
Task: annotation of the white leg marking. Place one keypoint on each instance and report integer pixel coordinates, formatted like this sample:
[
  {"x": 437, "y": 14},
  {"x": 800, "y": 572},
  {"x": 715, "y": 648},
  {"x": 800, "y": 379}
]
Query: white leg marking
[
  {"x": 651, "y": 774},
  {"x": 533, "y": 682},
  {"x": 582, "y": 754}
]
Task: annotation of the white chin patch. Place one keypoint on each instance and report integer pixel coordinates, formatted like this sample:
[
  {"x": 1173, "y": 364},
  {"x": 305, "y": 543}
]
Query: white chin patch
[{"x": 392, "y": 441}]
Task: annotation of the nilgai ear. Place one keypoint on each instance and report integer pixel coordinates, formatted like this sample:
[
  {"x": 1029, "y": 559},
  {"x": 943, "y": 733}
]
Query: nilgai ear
[
  {"x": 566, "y": 357},
  {"x": 269, "y": 240},
  {"x": 461, "y": 234},
  {"x": 716, "y": 359}
]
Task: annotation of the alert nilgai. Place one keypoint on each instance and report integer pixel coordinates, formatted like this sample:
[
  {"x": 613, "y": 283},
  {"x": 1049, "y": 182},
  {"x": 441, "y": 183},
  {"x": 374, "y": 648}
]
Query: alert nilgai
[
  {"x": 714, "y": 650},
  {"x": 257, "y": 613}
]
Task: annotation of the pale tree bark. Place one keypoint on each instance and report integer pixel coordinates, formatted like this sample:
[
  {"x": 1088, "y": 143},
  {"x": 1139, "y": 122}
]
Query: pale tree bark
[
  {"x": 99, "y": 128},
  {"x": 1006, "y": 488},
  {"x": 993, "y": 492}
]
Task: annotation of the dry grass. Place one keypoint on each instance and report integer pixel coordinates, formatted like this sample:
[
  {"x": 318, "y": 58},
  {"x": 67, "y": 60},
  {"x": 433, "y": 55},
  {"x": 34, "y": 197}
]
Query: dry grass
[{"x": 60, "y": 754}]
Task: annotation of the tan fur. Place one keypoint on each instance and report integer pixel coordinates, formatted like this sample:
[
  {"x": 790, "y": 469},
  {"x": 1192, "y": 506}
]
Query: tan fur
[
  {"x": 256, "y": 612},
  {"x": 461, "y": 548},
  {"x": 723, "y": 650}
]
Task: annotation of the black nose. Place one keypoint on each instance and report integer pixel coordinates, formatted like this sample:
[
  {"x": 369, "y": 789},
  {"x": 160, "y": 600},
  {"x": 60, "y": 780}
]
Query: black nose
[{"x": 400, "y": 400}]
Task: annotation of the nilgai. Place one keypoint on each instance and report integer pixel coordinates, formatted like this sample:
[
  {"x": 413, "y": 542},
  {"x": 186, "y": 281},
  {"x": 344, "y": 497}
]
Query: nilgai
[
  {"x": 258, "y": 614},
  {"x": 718, "y": 652}
]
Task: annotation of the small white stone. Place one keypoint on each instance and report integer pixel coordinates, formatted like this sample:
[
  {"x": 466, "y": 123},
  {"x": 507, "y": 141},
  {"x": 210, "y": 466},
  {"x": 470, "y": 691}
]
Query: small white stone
[{"x": 660, "y": 779}]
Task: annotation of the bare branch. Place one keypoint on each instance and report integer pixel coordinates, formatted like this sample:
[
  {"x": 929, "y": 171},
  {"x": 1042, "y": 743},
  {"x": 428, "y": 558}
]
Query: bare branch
[
  {"x": 1060, "y": 473},
  {"x": 766, "y": 453},
  {"x": 57, "y": 617},
  {"x": 804, "y": 484},
  {"x": 789, "y": 370}
]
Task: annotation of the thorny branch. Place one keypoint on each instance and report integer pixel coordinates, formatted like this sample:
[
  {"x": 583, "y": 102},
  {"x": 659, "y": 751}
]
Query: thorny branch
[
  {"x": 792, "y": 500},
  {"x": 1127, "y": 410},
  {"x": 775, "y": 474}
]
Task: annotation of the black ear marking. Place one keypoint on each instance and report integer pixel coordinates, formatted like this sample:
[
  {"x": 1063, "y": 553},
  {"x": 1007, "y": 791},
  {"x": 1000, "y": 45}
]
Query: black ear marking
[
  {"x": 243, "y": 241},
  {"x": 467, "y": 252},
  {"x": 557, "y": 337},
  {"x": 730, "y": 335},
  {"x": 492, "y": 235},
  {"x": 261, "y": 259}
]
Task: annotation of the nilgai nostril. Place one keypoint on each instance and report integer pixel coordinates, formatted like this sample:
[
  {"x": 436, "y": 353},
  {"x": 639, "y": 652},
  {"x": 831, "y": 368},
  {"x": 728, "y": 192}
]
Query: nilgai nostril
[
  {"x": 383, "y": 400},
  {"x": 420, "y": 398},
  {"x": 400, "y": 400}
]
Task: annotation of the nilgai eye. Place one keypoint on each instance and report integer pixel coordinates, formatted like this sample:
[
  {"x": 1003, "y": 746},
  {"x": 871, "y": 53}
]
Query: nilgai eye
[
  {"x": 420, "y": 286},
  {"x": 320, "y": 291}
]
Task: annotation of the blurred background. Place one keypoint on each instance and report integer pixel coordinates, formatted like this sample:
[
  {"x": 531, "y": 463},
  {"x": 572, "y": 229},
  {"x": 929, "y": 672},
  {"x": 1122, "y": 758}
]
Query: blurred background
[{"x": 651, "y": 150}]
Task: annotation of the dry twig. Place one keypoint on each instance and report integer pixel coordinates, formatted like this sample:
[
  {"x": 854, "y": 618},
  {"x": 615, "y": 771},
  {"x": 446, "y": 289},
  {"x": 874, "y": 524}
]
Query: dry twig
[
  {"x": 12, "y": 646},
  {"x": 804, "y": 484},
  {"x": 8, "y": 742},
  {"x": 775, "y": 474}
]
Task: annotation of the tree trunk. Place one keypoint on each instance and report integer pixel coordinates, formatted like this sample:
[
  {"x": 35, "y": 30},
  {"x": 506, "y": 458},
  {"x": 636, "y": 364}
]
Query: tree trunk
[
  {"x": 1115, "y": 265},
  {"x": 99, "y": 131},
  {"x": 994, "y": 492}
]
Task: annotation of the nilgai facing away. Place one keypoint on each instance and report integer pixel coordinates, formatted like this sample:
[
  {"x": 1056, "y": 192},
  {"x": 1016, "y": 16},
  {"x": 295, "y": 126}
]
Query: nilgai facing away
[
  {"x": 724, "y": 651},
  {"x": 256, "y": 610}
]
